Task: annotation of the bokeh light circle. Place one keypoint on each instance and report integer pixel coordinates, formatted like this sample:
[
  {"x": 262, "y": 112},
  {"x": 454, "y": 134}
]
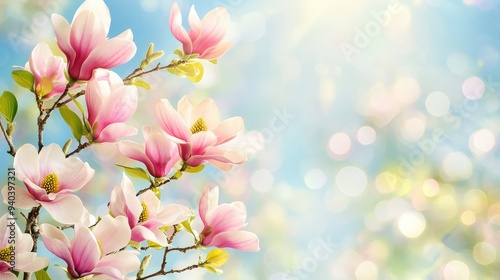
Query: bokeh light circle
[
  {"x": 315, "y": 179},
  {"x": 339, "y": 143},
  {"x": 437, "y": 103},
  {"x": 482, "y": 141},
  {"x": 473, "y": 88},
  {"x": 484, "y": 253},
  {"x": 351, "y": 181},
  {"x": 412, "y": 224},
  {"x": 367, "y": 270},
  {"x": 456, "y": 270},
  {"x": 456, "y": 166},
  {"x": 366, "y": 135}
]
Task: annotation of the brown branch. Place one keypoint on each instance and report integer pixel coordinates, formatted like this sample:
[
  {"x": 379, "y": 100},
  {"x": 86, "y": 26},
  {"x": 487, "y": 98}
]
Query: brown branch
[
  {"x": 80, "y": 93},
  {"x": 8, "y": 138},
  {"x": 139, "y": 72},
  {"x": 79, "y": 148},
  {"x": 32, "y": 228},
  {"x": 45, "y": 114}
]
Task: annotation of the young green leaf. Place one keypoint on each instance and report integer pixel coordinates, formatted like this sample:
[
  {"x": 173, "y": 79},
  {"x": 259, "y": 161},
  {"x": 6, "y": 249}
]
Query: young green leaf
[
  {"x": 141, "y": 83},
  {"x": 24, "y": 79},
  {"x": 42, "y": 275},
  {"x": 73, "y": 121},
  {"x": 195, "y": 169},
  {"x": 136, "y": 172},
  {"x": 8, "y": 105}
]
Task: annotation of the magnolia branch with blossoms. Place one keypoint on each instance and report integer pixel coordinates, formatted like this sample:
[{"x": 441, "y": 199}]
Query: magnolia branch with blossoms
[{"x": 184, "y": 139}]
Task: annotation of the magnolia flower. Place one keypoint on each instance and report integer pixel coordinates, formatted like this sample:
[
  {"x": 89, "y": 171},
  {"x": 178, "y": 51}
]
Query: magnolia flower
[
  {"x": 205, "y": 36},
  {"x": 44, "y": 65},
  {"x": 222, "y": 224},
  {"x": 50, "y": 178},
  {"x": 88, "y": 253},
  {"x": 147, "y": 217},
  {"x": 109, "y": 104},
  {"x": 198, "y": 131},
  {"x": 85, "y": 41},
  {"x": 158, "y": 153},
  {"x": 15, "y": 250}
]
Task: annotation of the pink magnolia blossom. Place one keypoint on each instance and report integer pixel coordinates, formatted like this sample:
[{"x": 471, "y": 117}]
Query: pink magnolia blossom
[
  {"x": 223, "y": 224},
  {"x": 109, "y": 104},
  {"x": 43, "y": 63},
  {"x": 205, "y": 36},
  {"x": 85, "y": 41},
  {"x": 50, "y": 178},
  {"x": 198, "y": 131},
  {"x": 91, "y": 252},
  {"x": 146, "y": 217},
  {"x": 158, "y": 153},
  {"x": 18, "y": 247}
]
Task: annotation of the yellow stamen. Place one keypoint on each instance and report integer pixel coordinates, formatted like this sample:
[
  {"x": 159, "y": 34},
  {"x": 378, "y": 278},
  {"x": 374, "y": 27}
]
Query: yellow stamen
[
  {"x": 145, "y": 213},
  {"x": 6, "y": 253},
  {"x": 50, "y": 183},
  {"x": 199, "y": 125}
]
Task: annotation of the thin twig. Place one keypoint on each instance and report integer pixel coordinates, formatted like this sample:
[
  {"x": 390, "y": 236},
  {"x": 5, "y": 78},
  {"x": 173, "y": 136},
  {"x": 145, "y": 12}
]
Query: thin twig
[
  {"x": 153, "y": 185},
  {"x": 8, "y": 138},
  {"x": 45, "y": 114},
  {"x": 139, "y": 72},
  {"x": 80, "y": 93},
  {"x": 33, "y": 230},
  {"x": 79, "y": 148}
]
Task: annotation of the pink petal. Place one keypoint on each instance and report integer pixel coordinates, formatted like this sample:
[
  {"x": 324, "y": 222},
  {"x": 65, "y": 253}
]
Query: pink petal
[
  {"x": 225, "y": 217},
  {"x": 124, "y": 202},
  {"x": 173, "y": 214},
  {"x": 135, "y": 151},
  {"x": 208, "y": 202},
  {"x": 87, "y": 33},
  {"x": 185, "y": 109},
  {"x": 52, "y": 159},
  {"x": 216, "y": 51},
  {"x": 99, "y": 8},
  {"x": 38, "y": 59},
  {"x": 58, "y": 244},
  {"x": 28, "y": 262},
  {"x": 66, "y": 209},
  {"x": 62, "y": 30},
  {"x": 26, "y": 163},
  {"x": 106, "y": 230},
  {"x": 201, "y": 141},
  {"x": 178, "y": 31},
  {"x": 84, "y": 250},
  {"x": 93, "y": 99},
  {"x": 228, "y": 129},
  {"x": 74, "y": 174},
  {"x": 215, "y": 26},
  {"x": 122, "y": 262},
  {"x": 115, "y": 130},
  {"x": 119, "y": 106},
  {"x": 171, "y": 121},
  {"x": 208, "y": 111},
  {"x": 194, "y": 25},
  {"x": 215, "y": 154},
  {"x": 240, "y": 240},
  {"x": 109, "y": 54},
  {"x": 162, "y": 153},
  {"x": 141, "y": 233},
  {"x": 24, "y": 199},
  {"x": 5, "y": 273}
]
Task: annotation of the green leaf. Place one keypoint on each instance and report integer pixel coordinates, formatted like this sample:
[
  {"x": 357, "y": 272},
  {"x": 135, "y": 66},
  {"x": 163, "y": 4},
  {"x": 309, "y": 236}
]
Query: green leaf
[
  {"x": 66, "y": 146},
  {"x": 217, "y": 257},
  {"x": 24, "y": 79},
  {"x": 214, "y": 61},
  {"x": 136, "y": 172},
  {"x": 42, "y": 275},
  {"x": 73, "y": 121},
  {"x": 8, "y": 105},
  {"x": 195, "y": 169},
  {"x": 213, "y": 269},
  {"x": 141, "y": 83},
  {"x": 150, "y": 50}
]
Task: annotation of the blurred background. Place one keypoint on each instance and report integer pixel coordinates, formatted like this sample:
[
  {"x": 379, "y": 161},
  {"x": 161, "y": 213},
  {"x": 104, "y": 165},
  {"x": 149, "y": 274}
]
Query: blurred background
[{"x": 370, "y": 128}]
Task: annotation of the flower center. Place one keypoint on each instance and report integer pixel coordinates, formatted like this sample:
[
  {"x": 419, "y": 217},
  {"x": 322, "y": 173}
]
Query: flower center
[
  {"x": 50, "y": 183},
  {"x": 207, "y": 230},
  {"x": 6, "y": 253},
  {"x": 145, "y": 213},
  {"x": 199, "y": 125}
]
